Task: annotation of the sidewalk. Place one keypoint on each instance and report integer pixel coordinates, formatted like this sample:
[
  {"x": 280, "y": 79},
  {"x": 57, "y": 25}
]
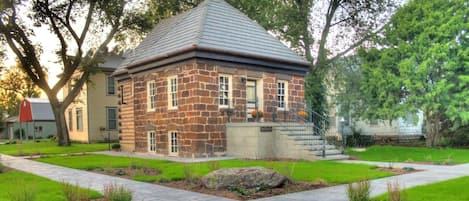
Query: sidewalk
[
  {"x": 141, "y": 191},
  {"x": 149, "y": 192},
  {"x": 431, "y": 174}
]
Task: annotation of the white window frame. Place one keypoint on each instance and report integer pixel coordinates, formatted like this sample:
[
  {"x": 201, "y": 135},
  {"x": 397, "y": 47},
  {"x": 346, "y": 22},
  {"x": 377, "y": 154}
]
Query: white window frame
[
  {"x": 152, "y": 141},
  {"x": 107, "y": 118},
  {"x": 173, "y": 143},
  {"x": 284, "y": 95},
  {"x": 172, "y": 92},
  {"x": 113, "y": 91},
  {"x": 221, "y": 91},
  {"x": 151, "y": 96},
  {"x": 70, "y": 119},
  {"x": 79, "y": 119}
]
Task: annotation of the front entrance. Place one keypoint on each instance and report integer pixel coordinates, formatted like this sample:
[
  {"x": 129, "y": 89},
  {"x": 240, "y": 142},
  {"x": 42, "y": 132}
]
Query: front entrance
[{"x": 252, "y": 101}]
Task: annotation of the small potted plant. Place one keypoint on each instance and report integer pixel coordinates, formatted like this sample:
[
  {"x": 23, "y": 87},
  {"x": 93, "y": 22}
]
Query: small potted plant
[
  {"x": 116, "y": 147},
  {"x": 257, "y": 114},
  {"x": 303, "y": 115}
]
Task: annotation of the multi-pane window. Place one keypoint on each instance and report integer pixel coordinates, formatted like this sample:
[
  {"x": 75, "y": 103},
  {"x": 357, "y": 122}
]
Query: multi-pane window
[
  {"x": 172, "y": 92},
  {"x": 151, "y": 95},
  {"x": 111, "y": 117},
  {"x": 282, "y": 89},
  {"x": 110, "y": 86},
  {"x": 79, "y": 116},
  {"x": 152, "y": 141},
  {"x": 224, "y": 82},
  {"x": 173, "y": 143},
  {"x": 70, "y": 119}
]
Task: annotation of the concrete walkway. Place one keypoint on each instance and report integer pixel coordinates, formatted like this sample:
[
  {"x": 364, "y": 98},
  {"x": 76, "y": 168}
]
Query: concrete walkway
[
  {"x": 148, "y": 192},
  {"x": 431, "y": 174},
  {"x": 141, "y": 191}
]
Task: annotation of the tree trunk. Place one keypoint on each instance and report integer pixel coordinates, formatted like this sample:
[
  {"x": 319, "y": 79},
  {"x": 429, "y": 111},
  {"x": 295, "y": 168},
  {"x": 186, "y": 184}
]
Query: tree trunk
[
  {"x": 428, "y": 130},
  {"x": 436, "y": 130},
  {"x": 60, "y": 121}
]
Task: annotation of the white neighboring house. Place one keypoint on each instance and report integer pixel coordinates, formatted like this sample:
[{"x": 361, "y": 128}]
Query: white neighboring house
[{"x": 401, "y": 126}]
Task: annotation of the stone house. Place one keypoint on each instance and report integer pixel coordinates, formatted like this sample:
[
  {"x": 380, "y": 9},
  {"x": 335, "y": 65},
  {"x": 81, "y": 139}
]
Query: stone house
[
  {"x": 93, "y": 115},
  {"x": 197, "y": 71}
]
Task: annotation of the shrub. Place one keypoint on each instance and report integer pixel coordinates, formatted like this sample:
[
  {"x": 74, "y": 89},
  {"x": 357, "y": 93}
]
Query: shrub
[
  {"x": 394, "y": 191},
  {"x": 1, "y": 166},
  {"x": 213, "y": 165},
  {"x": 188, "y": 173},
  {"x": 359, "y": 191},
  {"x": 459, "y": 140},
  {"x": 74, "y": 192},
  {"x": 287, "y": 169},
  {"x": 52, "y": 138},
  {"x": 115, "y": 192},
  {"x": 19, "y": 132},
  {"x": 24, "y": 193},
  {"x": 116, "y": 146},
  {"x": 359, "y": 140}
]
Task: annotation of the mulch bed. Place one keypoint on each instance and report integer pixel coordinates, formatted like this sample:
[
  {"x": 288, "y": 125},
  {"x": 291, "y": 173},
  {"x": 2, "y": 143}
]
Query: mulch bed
[
  {"x": 245, "y": 194},
  {"x": 233, "y": 193}
]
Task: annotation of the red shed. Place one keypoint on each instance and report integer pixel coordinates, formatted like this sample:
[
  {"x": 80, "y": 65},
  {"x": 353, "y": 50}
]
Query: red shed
[{"x": 35, "y": 109}]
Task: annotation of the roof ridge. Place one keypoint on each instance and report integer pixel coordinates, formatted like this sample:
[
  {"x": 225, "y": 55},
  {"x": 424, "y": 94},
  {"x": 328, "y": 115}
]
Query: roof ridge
[
  {"x": 177, "y": 22},
  {"x": 202, "y": 22},
  {"x": 258, "y": 25}
]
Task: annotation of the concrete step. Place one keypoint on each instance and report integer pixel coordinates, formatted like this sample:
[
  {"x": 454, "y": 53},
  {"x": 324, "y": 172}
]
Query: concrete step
[
  {"x": 305, "y": 137},
  {"x": 334, "y": 157},
  {"x": 320, "y": 147},
  {"x": 328, "y": 152},
  {"x": 299, "y": 133},
  {"x": 296, "y": 131},
  {"x": 309, "y": 143}
]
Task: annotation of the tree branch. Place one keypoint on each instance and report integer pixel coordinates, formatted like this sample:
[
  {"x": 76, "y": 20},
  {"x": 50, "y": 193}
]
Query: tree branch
[
  {"x": 27, "y": 56},
  {"x": 69, "y": 70},
  {"x": 356, "y": 44},
  {"x": 322, "y": 51}
]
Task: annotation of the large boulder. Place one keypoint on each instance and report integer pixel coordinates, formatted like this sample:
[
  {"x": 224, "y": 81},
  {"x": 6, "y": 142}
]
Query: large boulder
[{"x": 250, "y": 177}]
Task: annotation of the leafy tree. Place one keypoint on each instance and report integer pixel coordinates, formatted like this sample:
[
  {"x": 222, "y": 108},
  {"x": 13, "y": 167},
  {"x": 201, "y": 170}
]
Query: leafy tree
[
  {"x": 347, "y": 84},
  {"x": 75, "y": 25},
  {"x": 15, "y": 86},
  {"x": 422, "y": 64}
]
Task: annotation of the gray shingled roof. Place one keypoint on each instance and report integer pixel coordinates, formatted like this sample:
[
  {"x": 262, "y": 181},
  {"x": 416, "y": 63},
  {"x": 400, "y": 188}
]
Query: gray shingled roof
[
  {"x": 111, "y": 61},
  {"x": 214, "y": 24},
  {"x": 41, "y": 109}
]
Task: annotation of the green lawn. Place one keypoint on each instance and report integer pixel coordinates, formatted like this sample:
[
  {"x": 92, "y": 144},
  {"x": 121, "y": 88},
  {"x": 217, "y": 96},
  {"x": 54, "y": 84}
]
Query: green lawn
[
  {"x": 443, "y": 191},
  {"x": 48, "y": 147},
  {"x": 331, "y": 172},
  {"x": 412, "y": 154},
  {"x": 43, "y": 189}
]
